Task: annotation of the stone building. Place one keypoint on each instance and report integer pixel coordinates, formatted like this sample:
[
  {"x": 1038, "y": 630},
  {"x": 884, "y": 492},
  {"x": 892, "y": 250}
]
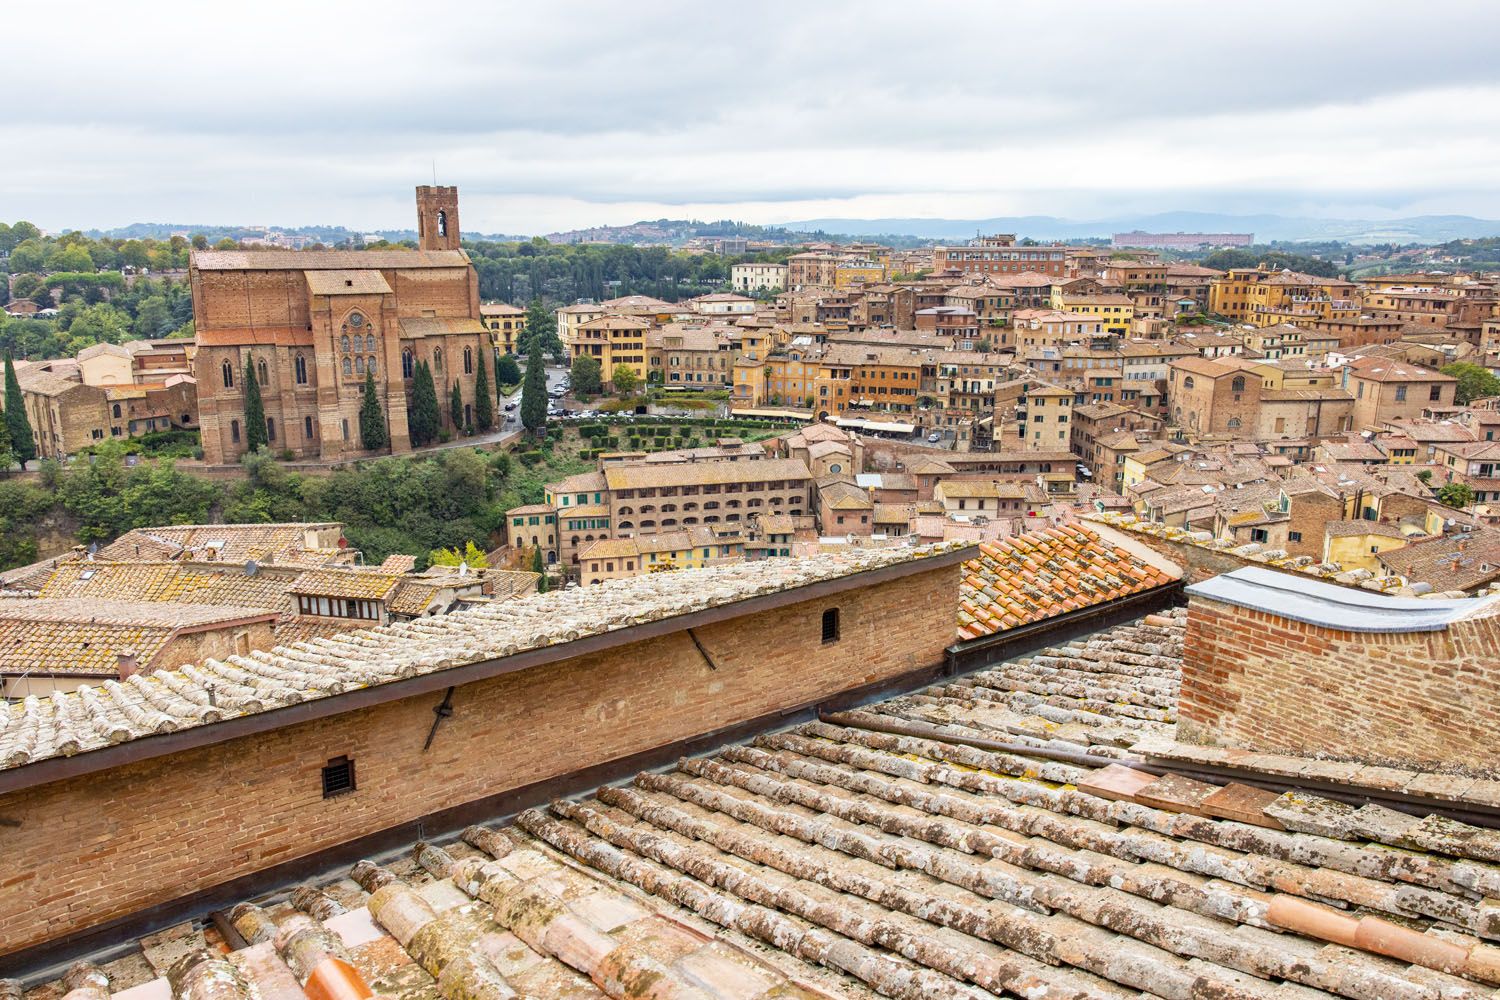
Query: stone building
[{"x": 313, "y": 324}]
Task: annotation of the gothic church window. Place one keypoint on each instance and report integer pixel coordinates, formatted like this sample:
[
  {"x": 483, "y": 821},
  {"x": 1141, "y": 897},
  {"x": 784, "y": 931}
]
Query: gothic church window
[
  {"x": 299, "y": 366},
  {"x": 344, "y": 343},
  {"x": 228, "y": 375},
  {"x": 348, "y": 367}
]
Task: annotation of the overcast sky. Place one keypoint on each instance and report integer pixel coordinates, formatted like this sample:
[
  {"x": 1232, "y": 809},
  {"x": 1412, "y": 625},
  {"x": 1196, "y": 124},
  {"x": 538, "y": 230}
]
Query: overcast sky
[{"x": 551, "y": 115}]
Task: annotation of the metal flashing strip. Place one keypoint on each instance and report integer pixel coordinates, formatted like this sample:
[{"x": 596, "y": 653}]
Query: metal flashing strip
[{"x": 1344, "y": 609}]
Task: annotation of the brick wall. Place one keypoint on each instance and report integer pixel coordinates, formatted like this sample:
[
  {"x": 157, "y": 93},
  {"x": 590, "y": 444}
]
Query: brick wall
[
  {"x": 101, "y": 846},
  {"x": 1419, "y": 700}
]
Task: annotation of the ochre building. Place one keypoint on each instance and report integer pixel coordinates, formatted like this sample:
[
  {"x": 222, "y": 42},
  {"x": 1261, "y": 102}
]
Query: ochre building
[{"x": 312, "y": 324}]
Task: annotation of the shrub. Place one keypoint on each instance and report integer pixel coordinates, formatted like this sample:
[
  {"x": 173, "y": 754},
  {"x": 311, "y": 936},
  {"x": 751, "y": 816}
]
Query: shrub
[{"x": 530, "y": 457}]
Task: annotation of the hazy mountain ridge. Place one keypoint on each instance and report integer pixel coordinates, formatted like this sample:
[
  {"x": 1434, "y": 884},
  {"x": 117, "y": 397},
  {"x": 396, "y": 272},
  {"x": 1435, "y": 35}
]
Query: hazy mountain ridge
[{"x": 1413, "y": 229}]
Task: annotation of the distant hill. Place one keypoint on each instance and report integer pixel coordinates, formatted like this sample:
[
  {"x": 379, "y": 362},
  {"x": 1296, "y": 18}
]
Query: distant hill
[
  {"x": 323, "y": 234},
  {"x": 1267, "y": 228}
]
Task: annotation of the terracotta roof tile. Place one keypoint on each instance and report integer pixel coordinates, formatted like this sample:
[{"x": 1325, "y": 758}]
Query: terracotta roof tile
[{"x": 1026, "y": 578}]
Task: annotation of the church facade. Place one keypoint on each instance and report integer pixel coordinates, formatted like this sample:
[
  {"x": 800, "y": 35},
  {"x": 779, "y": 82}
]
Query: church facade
[{"x": 313, "y": 324}]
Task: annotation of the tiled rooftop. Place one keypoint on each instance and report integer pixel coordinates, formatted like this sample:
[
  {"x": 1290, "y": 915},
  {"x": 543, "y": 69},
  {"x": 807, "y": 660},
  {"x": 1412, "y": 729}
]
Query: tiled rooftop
[
  {"x": 224, "y": 542},
  {"x": 1026, "y": 578},
  {"x": 999, "y": 846},
  {"x": 167, "y": 582},
  {"x": 73, "y": 636},
  {"x": 171, "y": 700}
]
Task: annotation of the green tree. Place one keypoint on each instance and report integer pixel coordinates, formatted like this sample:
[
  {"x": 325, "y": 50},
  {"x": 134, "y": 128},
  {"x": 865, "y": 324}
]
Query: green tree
[
  {"x": 255, "y": 411},
  {"x": 1458, "y": 495},
  {"x": 22, "y": 445},
  {"x": 624, "y": 380},
  {"x": 71, "y": 258},
  {"x": 456, "y": 406},
  {"x": 6, "y": 457},
  {"x": 539, "y": 567},
  {"x": 372, "y": 434},
  {"x": 534, "y": 393},
  {"x": 422, "y": 413},
  {"x": 471, "y": 554},
  {"x": 507, "y": 371},
  {"x": 541, "y": 326},
  {"x": 1474, "y": 381},
  {"x": 484, "y": 403},
  {"x": 585, "y": 375},
  {"x": 153, "y": 318}
]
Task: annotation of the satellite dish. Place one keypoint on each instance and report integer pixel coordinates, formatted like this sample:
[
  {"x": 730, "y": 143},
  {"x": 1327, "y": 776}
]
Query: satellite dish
[{"x": 251, "y": 567}]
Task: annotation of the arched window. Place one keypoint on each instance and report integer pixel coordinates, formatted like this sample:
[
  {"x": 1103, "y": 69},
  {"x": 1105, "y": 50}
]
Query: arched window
[
  {"x": 437, "y": 357},
  {"x": 344, "y": 343},
  {"x": 1238, "y": 385},
  {"x": 468, "y": 361},
  {"x": 299, "y": 368},
  {"x": 442, "y": 222},
  {"x": 406, "y": 363},
  {"x": 348, "y": 367},
  {"x": 234, "y": 431},
  {"x": 370, "y": 365},
  {"x": 260, "y": 370},
  {"x": 1234, "y": 422},
  {"x": 1187, "y": 383},
  {"x": 270, "y": 429},
  {"x": 228, "y": 370},
  {"x": 359, "y": 364},
  {"x": 370, "y": 343},
  {"x": 116, "y": 411}
]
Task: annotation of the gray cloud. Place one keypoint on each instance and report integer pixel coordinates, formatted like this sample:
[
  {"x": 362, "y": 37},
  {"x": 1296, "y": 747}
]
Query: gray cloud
[{"x": 569, "y": 114}]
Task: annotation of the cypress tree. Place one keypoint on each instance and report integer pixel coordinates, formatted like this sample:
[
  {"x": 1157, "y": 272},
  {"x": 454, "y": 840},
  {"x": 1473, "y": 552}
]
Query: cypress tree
[
  {"x": 432, "y": 418},
  {"x": 537, "y": 566},
  {"x": 371, "y": 420},
  {"x": 534, "y": 393},
  {"x": 255, "y": 412},
  {"x": 17, "y": 424},
  {"x": 6, "y": 458},
  {"x": 484, "y": 404},
  {"x": 456, "y": 407},
  {"x": 422, "y": 415}
]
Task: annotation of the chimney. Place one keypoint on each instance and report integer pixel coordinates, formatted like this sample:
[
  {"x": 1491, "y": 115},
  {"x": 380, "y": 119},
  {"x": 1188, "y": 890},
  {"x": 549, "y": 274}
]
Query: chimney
[{"x": 127, "y": 663}]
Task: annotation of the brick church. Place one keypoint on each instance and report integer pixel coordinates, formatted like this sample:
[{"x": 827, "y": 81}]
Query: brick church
[{"x": 313, "y": 323}]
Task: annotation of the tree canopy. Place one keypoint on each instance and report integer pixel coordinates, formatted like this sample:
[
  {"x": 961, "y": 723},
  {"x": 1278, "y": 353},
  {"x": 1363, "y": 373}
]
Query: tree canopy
[
  {"x": 1459, "y": 495},
  {"x": 507, "y": 370},
  {"x": 585, "y": 375},
  {"x": 624, "y": 379},
  {"x": 1474, "y": 381}
]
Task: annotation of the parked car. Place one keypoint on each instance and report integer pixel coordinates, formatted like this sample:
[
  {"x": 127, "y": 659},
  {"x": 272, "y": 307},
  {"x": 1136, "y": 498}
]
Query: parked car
[
  {"x": 510, "y": 406},
  {"x": 935, "y": 437}
]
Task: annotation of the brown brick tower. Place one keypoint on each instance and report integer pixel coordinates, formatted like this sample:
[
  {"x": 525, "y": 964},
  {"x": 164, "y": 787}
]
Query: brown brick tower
[{"x": 437, "y": 217}]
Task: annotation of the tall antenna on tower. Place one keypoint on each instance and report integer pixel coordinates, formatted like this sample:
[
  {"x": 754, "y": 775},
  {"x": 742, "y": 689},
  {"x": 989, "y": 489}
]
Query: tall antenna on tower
[{"x": 434, "y": 173}]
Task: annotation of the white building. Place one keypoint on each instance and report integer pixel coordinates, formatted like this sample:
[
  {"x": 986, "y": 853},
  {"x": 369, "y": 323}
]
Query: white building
[{"x": 758, "y": 277}]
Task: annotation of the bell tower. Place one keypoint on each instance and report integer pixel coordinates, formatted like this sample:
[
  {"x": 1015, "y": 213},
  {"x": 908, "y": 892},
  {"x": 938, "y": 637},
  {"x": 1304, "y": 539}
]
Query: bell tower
[{"x": 437, "y": 217}]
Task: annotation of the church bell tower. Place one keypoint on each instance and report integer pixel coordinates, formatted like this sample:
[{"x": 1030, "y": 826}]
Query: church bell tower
[{"x": 437, "y": 217}]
